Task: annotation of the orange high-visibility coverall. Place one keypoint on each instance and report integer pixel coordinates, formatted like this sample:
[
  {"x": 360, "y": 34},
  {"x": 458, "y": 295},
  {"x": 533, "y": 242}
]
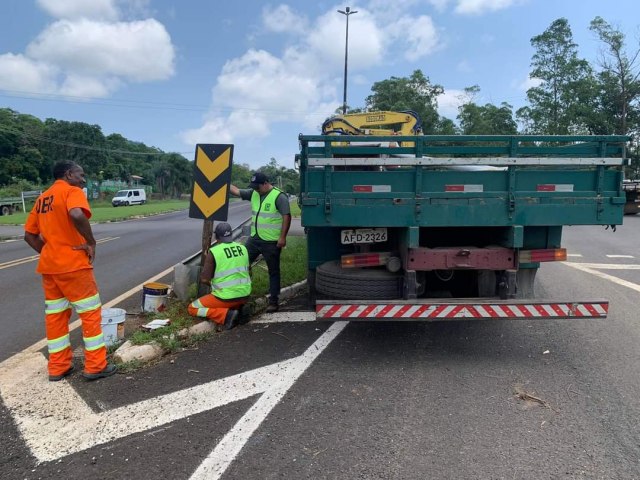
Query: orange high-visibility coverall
[
  {"x": 67, "y": 278},
  {"x": 213, "y": 308}
]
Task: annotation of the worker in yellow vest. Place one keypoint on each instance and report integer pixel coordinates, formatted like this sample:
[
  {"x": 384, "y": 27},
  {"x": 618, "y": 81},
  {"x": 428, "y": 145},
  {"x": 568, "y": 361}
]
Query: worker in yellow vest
[
  {"x": 271, "y": 219},
  {"x": 226, "y": 268}
]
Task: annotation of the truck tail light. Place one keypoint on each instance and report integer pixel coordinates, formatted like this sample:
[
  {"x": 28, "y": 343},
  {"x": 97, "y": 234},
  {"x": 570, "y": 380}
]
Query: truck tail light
[
  {"x": 357, "y": 260},
  {"x": 543, "y": 255}
]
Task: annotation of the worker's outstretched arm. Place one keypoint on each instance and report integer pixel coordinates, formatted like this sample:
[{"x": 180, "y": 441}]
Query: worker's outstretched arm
[
  {"x": 233, "y": 190},
  {"x": 81, "y": 222}
]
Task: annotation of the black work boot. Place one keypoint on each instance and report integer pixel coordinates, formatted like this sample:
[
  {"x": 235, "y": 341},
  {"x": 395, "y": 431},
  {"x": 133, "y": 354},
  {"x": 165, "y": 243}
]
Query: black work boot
[
  {"x": 109, "y": 370},
  {"x": 272, "y": 308},
  {"x": 231, "y": 319},
  {"x": 57, "y": 378}
]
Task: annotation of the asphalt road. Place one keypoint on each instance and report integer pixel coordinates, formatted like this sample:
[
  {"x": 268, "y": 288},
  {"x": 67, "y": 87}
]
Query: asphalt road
[
  {"x": 128, "y": 253},
  {"x": 540, "y": 399}
]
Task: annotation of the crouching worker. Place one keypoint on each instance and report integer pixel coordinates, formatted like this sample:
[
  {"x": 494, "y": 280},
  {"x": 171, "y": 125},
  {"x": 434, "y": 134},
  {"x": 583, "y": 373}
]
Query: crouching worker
[{"x": 226, "y": 267}]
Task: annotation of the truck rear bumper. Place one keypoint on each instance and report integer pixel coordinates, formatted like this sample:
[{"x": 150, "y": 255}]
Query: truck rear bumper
[{"x": 471, "y": 309}]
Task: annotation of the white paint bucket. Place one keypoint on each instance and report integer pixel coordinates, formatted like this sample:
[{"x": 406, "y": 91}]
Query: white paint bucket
[
  {"x": 152, "y": 302},
  {"x": 113, "y": 325}
]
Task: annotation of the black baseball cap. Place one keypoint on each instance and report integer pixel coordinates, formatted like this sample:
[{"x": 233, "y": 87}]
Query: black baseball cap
[
  {"x": 258, "y": 179},
  {"x": 224, "y": 233}
]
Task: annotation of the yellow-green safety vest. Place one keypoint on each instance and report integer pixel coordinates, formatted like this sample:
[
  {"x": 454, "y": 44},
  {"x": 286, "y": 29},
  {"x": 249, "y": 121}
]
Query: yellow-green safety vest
[
  {"x": 231, "y": 277},
  {"x": 267, "y": 221}
]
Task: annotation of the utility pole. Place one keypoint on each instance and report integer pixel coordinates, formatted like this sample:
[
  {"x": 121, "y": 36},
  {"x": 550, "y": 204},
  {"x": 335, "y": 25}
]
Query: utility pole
[{"x": 346, "y": 12}]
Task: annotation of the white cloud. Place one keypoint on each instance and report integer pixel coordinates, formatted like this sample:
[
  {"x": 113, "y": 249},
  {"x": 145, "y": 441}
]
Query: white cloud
[
  {"x": 419, "y": 34},
  {"x": 77, "y": 9},
  {"x": 23, "y": 74},
  {"x": 477, "y": 7},
  {"x": 449, "y": 102},
  {"x": 137, "y": 51},
  {"x": 304, "y": 83},
  {"x": 282, "y": 19},
  {"x": 528, "y": 83}
]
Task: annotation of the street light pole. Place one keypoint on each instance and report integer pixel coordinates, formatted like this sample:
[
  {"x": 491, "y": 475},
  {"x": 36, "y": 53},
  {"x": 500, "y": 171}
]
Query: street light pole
[{"x": 346, "y": 12}]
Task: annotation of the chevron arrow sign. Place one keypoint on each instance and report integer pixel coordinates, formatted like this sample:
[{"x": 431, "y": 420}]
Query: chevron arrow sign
[{"x": 211, "y": 179}]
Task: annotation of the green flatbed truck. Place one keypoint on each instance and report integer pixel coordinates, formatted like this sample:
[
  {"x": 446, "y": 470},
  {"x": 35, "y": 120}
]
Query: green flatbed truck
[
  {"x": 9, "y": 205},
  {"x": 450, "y": 227}
]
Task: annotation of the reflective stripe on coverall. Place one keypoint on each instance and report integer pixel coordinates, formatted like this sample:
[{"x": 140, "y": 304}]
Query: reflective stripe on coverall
[{"x": 77, "y": 289}]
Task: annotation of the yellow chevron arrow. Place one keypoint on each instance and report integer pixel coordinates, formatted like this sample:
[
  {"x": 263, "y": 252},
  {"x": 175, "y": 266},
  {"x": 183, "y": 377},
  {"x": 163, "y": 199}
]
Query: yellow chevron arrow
[
  {"x": 213, "y": 168},
  {"x": 209, "y": 205}
]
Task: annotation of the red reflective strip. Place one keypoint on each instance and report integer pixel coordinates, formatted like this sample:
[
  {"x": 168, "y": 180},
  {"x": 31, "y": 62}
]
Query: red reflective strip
[
  {"x": 455, "y": 311},
  {"x": 454, "y": 188},
  {"x": 384, "y": 311},
  {"x": 558, "y": 309},
  {"x": 420, "y": 311},
  {"x": 362, "y": 188},
  {"x": 331, "y": 312},
  {"x": 546, "y": 188},
  {"x": 402, "y": 310},
  {"x": 366, "y": 311},
  {"x": 542, "y": 311},
  {"x": 524, "y": 310},
  {"x": 349, "y": 311},
  {"x": 473, "y": 311},
  {"x": 491, "y": 311},
  {"x": 592, "y": 310}
]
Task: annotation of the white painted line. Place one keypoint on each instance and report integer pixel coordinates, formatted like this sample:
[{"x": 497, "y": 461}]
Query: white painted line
[
  {"x": 607, "y": 266},
  {"x": 604, "y": 276},
  {"x": 232, "y": 443},
  {"x": 577, "y": 255},
  {"x": 54, "y": 420},
  {"x": 281, "y": 317},
  {"x": 620, "y": 256}
]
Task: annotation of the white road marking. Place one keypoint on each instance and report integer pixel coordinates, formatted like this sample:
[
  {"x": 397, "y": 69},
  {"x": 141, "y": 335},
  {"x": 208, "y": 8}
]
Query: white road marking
[
  {"x": 54, "y": 420},
  {"x": 574, "y": 255},
  {"x": 232, "y": 443},
  {"x": 592, "y": 270},
  {"x": 288, "y": 317},
  {"x": 606, "y": 266},
  {"x": 620, "y": 256},
  {"x": 32, "y": 258}
]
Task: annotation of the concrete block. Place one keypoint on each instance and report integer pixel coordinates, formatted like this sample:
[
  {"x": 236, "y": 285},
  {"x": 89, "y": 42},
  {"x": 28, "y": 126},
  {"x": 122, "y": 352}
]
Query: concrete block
[{"x": 144, "y": 353}]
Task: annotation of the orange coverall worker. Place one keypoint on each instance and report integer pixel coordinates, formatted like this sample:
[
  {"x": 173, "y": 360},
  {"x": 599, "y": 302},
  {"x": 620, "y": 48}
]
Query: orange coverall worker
[{"x": 67, "y": 278}]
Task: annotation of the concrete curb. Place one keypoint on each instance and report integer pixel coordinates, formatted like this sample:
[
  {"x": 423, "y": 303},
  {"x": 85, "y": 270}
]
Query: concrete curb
[{"x": 128, "y": 352}]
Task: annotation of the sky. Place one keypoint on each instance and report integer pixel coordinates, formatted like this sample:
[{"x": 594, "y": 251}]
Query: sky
[{"x": 172, "y": 74}]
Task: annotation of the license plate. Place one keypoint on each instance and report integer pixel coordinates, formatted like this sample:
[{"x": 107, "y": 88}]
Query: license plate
[{"x": 363, "y": 235}]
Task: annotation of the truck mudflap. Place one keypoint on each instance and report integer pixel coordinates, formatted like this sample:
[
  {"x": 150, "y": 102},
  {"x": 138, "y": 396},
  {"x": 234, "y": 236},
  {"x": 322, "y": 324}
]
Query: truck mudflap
[{"x": 434, "y": 310}]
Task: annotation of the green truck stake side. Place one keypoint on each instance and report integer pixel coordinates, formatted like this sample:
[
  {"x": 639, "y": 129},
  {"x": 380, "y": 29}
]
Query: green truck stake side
[{"x": 450, "y": 227}]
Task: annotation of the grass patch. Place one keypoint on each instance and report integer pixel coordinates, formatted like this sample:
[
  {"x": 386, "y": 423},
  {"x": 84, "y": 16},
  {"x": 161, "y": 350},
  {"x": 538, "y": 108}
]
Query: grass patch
[
  {"x": 167, "y": 337},
  {"x": 293, "y": 267},
  {"x": 104, "y": 212}
]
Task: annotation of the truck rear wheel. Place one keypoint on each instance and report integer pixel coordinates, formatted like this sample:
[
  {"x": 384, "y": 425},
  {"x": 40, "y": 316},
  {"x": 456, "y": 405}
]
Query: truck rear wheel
[
  {"x": 5, "y": 210},
  {"x": 357, "y": 283}
]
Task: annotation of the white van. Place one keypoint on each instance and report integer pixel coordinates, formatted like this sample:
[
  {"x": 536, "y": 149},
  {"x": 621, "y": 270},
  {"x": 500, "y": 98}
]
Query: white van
[{"x": 131, "y": 196}]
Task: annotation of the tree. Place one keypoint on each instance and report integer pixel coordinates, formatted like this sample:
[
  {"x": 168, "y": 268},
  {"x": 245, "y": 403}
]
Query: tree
[
  {"x": 485, "y": 120},
  {"x": 620, "y": 87},
  {"x": 413, "y": 93},
  {"x": 562, "y": 103}
]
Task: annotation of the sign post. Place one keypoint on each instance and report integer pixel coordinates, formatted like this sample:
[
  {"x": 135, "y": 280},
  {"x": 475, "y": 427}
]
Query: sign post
[{"x": 210, "y": 195}]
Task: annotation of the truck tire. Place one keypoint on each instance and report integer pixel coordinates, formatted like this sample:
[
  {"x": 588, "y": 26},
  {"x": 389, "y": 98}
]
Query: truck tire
[
  {"x": 5, "y": 210},
  {"x": 334, "y": 281}
]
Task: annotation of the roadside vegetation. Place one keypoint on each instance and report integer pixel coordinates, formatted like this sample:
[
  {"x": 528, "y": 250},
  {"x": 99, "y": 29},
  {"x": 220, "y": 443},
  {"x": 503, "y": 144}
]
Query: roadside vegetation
[{"x": 104, "y": 212}]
